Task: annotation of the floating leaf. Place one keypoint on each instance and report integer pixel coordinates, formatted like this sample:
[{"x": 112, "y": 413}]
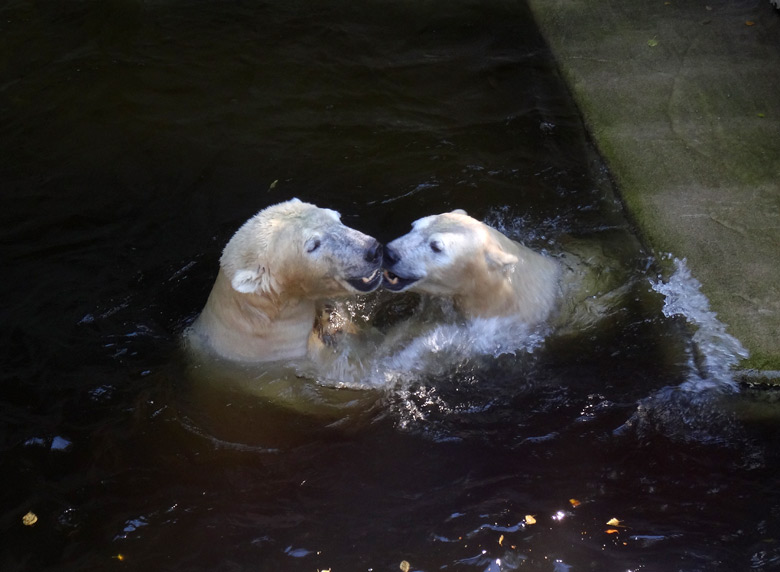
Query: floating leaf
[
  {"x": 652, "y": 42},
  {"x": 405, "y": 566},
  {"x": 29, "y": 519},
  {"x": 120, "y": 557},
  {"x": 501, "y": 540},
  {"x": 612, "y": 531},
  {"x": 750, "y": 23},
  {"x": 574, "y": 502},
  {"x": 529, "y": 519},
  {"x": 613, "y": 522}
]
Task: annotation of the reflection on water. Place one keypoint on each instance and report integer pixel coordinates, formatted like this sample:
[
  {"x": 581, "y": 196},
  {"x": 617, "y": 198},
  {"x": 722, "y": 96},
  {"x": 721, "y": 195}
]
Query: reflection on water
[{"x": 137, "y": 136}]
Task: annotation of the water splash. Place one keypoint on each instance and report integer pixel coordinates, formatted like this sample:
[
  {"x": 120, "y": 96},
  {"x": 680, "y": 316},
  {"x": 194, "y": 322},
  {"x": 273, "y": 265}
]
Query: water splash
[
  {"x": 692, "y": 411},
  {"x": 719, "y": 350},
  {"x": 418, "y": 350}
]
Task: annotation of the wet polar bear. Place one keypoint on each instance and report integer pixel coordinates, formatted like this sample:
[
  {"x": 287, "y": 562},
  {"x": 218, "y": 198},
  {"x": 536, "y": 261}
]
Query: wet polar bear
[
  {"x": 272, "y": 274},
  {"x": 485, "y": 273}
]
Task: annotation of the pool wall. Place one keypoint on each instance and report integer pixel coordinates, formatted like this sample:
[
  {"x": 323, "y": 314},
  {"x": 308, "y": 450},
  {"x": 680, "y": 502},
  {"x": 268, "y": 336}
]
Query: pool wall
[{"x": 682, "y": 102}]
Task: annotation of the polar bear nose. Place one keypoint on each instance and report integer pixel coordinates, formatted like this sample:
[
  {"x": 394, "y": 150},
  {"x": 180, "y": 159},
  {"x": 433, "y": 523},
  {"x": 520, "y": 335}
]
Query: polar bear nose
[
  {"x": 390, "y": 257},
  {"x": 374, "y": 253}
]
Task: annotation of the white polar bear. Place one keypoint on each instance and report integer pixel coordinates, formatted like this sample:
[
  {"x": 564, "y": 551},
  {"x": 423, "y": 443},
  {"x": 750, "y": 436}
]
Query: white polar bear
[
  {"x": 485, "y": 273},
  {"x": 272, "y": 272}
]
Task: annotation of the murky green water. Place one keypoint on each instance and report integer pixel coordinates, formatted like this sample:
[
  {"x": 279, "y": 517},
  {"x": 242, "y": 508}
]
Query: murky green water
[{"x": 136, "y": 137}]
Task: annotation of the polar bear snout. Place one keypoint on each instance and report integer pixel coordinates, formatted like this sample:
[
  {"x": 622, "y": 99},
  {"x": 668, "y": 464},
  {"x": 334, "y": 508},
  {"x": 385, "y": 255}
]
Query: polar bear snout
[
  {"x": 393, "y": 278},
  {"x": 390, "y": 257},
  {"x": 374, "y": 253},
  {"x": 367, "y": 276}
]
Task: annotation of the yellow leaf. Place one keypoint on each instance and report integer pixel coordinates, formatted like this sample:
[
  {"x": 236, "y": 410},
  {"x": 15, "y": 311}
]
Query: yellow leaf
[
  {"x": 501, "y": 540},
  {"x": 405, "y": 566},
  {"x": 613, "y": 522},
  {"x": 750, "y": 23},
  {"x": 574, "y": 502},
  {"x": 529, "y": 519},
  {"x": 29, "y": 519},
  {"x": 612, "y": 531},
  {"x": 120, "y": 557}
]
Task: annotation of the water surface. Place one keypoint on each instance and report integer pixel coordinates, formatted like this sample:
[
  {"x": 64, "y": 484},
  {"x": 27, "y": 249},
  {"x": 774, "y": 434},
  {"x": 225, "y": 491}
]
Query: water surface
[{"x": 135, "y": 137}]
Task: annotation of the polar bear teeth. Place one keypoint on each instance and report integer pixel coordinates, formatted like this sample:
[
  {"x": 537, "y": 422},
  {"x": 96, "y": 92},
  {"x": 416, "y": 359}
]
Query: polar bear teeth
[
  {"x": 391, "y": 278},
  {"x": 370, "y": 277}
]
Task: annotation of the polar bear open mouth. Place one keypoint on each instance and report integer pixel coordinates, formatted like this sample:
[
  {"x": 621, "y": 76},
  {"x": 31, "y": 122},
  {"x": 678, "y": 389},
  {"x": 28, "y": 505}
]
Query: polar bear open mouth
[
  {"x": 395, "y": 282},
  {"x": 366, "y": 283}
]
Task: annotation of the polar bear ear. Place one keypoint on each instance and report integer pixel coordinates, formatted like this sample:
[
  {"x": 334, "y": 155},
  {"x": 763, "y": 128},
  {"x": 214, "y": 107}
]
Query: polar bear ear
[
  {"x": 248, "y": 281},
  {"x": 499, "y": 259}
]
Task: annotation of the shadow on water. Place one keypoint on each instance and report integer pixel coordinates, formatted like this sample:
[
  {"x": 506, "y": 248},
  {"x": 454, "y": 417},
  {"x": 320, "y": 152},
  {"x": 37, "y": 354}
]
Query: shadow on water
[{"x": 137, "y": 136}]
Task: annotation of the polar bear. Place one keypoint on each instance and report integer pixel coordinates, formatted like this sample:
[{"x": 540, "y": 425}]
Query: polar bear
[
  {"x": 272, "y": 273},
  {"x": 485, "y": 273}
]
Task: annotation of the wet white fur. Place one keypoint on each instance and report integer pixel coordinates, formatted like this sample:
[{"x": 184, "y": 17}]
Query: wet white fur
[
  {"x": 485, "y": 273},
  {"x": 272, "y": 272}
]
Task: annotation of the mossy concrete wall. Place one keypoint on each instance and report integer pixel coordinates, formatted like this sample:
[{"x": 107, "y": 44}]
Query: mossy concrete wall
[{"x": 683, "y": 102}]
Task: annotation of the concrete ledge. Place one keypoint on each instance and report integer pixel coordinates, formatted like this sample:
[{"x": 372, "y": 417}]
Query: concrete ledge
[
  {"x": 683, "y": 102},
  {"x": 758, "y": 378}
]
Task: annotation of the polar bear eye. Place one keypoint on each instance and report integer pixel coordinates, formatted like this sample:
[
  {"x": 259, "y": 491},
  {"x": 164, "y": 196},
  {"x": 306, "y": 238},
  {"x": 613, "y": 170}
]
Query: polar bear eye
[
  {"x": 436, "y": 246},
  {"x": 312, "y": 245}
]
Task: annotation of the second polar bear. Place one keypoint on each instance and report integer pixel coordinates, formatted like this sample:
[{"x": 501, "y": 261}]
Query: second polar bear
[
  {"x": 485, "y": 273},
  {"x": 272, "y": 273}
]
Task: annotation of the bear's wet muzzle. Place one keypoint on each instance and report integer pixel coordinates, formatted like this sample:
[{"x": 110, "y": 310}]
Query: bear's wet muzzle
[
  {"x": 366, "y": 283},
  {"x": 396, "y": 283},
  {"x": 390, "y": 280}
]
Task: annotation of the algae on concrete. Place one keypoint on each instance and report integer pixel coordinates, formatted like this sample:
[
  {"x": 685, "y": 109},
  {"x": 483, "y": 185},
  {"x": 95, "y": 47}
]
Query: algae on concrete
[{"x": 683, "y": 102}]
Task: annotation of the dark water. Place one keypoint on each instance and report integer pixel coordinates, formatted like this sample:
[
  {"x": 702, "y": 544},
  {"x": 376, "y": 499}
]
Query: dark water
[{"x": 136, "y": 136}]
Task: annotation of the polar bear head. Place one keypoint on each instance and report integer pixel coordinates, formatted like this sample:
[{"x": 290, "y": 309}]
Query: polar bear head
[
  {"x": 446, "y": 254},
  {"x": 297, "y": 249},
  {"x": 485, "y": 273}
]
